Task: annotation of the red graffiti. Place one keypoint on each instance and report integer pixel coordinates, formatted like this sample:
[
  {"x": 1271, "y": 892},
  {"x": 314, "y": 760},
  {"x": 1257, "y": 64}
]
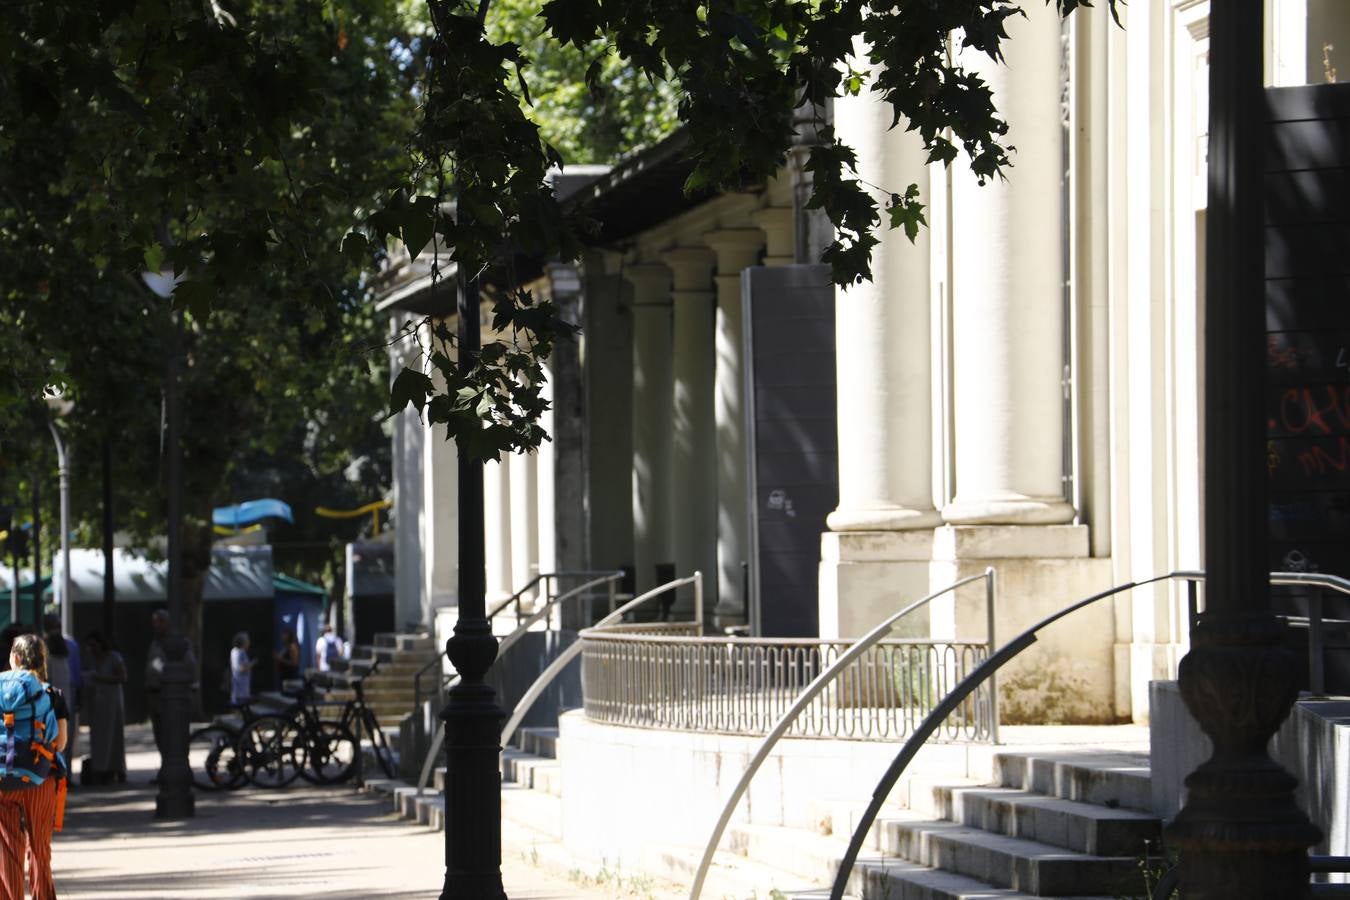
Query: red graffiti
[
  {"x": 1324, "y": 409},
  {"x": 1278, "y": 356},
  {"x": 1320, "y": 461}
]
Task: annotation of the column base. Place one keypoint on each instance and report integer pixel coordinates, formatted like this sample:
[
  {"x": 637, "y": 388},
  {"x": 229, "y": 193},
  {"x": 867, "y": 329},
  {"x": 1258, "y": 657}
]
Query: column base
[
  {"x": 1013, "y": 509},
  {"x": 867, "y": 575},
  {"x": 1068, "y": 676},
  {"x": 883, "y": 518}
]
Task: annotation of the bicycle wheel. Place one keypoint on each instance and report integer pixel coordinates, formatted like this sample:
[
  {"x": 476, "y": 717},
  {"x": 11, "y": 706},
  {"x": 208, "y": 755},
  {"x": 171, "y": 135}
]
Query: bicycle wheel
[
  {"x": 326, "y": 755},
  {"x": 383, "y": 755},
  {"x": 266, "y": 748},
  {"x": 214, "y": 759}
]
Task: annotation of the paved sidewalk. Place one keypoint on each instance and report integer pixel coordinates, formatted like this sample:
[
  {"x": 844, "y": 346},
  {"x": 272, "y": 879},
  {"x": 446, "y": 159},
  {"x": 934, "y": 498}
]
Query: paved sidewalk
[{"x": 302, "y": 841}]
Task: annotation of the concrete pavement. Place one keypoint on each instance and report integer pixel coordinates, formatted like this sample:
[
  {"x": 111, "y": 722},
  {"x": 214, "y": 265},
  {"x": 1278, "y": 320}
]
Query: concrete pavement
[{"x": 303, "y": 841}]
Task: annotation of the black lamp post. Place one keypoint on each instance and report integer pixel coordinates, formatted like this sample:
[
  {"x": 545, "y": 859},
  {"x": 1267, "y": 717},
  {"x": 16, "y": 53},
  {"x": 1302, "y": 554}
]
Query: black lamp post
[
  {"x": 473, "y": 720},
  {"x": 1241, "y": 835},
  {"x": 174, "y": 800}
]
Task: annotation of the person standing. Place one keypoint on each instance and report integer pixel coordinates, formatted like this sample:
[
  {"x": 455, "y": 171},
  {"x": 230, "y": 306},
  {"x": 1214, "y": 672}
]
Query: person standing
[
  {"x": 28, "y": 816},
  {"x": 329, "y": 650},
  {"x": 287, "y": 658},
  {"x": 107, "y": 713},
  {"x": 57, "y": 675},
  {"x": 155, "y": 659},
  {"x": 241, "y": 670},
  {"x": 51, "y": 625}
]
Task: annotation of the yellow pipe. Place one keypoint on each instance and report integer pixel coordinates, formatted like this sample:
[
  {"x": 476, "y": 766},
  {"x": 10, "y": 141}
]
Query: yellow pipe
[{"x": 372, "y": 508}]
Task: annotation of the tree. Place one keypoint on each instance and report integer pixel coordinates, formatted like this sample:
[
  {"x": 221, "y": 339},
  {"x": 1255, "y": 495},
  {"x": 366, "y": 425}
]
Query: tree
[
  {"x": 235, "y": 149},
  {"x": 199, "y": 99}
]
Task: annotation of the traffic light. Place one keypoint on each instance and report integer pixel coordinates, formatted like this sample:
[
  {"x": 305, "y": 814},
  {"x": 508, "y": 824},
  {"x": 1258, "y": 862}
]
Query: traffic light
[{"x": 16, "y": 545}]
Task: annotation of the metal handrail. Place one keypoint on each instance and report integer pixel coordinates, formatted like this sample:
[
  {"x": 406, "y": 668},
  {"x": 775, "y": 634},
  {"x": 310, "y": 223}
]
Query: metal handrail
[
  {"x": 985, "y": 671},
  {"x": 514, "y": 598},
  {"x": 809, "y": 694},
  {"x": 566, "y": 656},
  {"x": 438, "y": 739}
]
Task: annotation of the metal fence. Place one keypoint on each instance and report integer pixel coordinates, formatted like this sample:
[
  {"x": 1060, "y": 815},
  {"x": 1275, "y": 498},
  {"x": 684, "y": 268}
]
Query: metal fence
[{"x": 662, "y": 675}]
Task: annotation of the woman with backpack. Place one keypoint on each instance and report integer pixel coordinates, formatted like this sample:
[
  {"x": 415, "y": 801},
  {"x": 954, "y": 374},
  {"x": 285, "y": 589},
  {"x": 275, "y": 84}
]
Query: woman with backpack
[{"x": 31, "y": 794}]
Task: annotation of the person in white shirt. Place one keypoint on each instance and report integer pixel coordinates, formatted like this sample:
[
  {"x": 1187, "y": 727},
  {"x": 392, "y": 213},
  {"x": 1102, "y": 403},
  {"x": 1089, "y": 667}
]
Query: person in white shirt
[
  {"x": 241, "y": 670},
  {"x": 329, "y": 649}
]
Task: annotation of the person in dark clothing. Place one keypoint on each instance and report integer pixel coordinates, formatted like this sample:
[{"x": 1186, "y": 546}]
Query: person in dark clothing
[{"x": 288, "y": 657}]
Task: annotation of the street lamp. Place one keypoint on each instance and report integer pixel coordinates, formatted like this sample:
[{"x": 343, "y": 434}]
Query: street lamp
[
  {"x": 60, "y": 407},
  {"x": 174, "y": 800}
]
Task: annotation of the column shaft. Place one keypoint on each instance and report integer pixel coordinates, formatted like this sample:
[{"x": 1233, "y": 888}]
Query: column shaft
[
  {"x": 885, "y": 364},
  {"x": 652, "y": 434},
  {"x": 694, "y": 445},
  {"x": 1008, "y": 265},
  {"x": 524, "y": 525},
  {"x": 736, "y": 248},
  {"x": 497, "y": 530}
]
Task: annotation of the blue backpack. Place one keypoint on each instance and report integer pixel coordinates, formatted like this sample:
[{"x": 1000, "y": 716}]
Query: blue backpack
[{"x": 27, "y": 731}]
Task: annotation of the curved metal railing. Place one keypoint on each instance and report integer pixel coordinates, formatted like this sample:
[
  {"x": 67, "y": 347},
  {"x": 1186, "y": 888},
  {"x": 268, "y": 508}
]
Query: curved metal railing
[
  {"x": 516, "y": 598},
  {"x": 672, "y": 681},
  {"x": 808, "y": 696},
  {"x": 570, "y": 653},
  {"x": 995, "y": 662},
  {"x": 438, "y": 739}
]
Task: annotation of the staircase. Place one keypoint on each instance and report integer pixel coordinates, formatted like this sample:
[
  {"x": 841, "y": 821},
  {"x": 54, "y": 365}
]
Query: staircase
[
  {"x": 1072, "y": 824},
  {"x": 1055, "y": 825},
  {"x": 389, "y": 692}
]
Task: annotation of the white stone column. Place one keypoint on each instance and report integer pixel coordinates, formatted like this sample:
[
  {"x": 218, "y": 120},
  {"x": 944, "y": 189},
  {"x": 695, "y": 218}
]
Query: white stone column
[
  {"x": 884, "y": 362},
  {"x": 652, "y": 432},
  {"x": 877, "y": 550},
  {"x": 497, "y": 530},
  {"x": 1008, "y": 295},
  {"x": 694, "y": 443},
  {"x": 545, "y": 462},
  {"x": 736, "y": 249},
  {"x": 440, "y": 525},
  {"x": 524, "y": 524}
]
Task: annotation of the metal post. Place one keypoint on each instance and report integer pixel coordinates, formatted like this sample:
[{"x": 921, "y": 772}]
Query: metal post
[
  {"x": 698, "y": 600},
  {"x": 37, "y": 540},
  {"x": 1317, "y": 684},
  {"x": 63, "y": 477},
  {"x": 473, "y": 816},
  {"x": 175, "y": 799},
  {"x": 990, "y": 593},
  {"x": 109, "y": 592},
  {"x": 1241, "y": 834}
]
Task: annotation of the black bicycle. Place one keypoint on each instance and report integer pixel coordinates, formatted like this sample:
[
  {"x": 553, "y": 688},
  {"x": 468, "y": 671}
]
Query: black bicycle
[
  {"x": 259, "y": 751},
  {"x": 327, "y": 751}
]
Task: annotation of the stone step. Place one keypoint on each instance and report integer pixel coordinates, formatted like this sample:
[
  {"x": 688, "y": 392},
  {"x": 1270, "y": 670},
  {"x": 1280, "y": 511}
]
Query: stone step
[
  {"x": 1081, "y": 827},
  {"x": 534, "y": 772},
  {"x": 539, "y": 741},
  {"x": 892, "y": 879},
  {"x": 387, "y": 641},
  {"x": 734, "y": 875},
  {"x": 1109, "y": 779},
  {"x": 1009, "y": 862}
]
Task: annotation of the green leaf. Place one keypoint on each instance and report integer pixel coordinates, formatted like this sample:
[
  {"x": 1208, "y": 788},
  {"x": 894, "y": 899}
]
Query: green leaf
[
  {"x": 154, "y": 257},
  {"x": 410, "y": 386}
]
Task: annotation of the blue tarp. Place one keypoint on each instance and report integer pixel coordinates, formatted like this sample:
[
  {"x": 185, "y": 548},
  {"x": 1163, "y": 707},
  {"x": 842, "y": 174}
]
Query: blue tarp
[{"x": 250, "y": 512}]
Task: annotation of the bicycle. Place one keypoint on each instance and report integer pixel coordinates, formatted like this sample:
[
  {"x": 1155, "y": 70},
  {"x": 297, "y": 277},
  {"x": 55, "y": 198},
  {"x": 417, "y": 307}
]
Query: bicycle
[
  {"x": 327, "y": 751},
  {"x": 260, "y": 751}
]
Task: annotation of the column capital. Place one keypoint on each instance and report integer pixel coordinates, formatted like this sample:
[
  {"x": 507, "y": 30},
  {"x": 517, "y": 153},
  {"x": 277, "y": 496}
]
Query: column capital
[
  {"x": 736, "y": 248},
  {"x": 692, "y": 267},
  {"x": 779, "y": 224},
  {"x": 651, "y": 283},
  {"x": 646, "y": 272}
]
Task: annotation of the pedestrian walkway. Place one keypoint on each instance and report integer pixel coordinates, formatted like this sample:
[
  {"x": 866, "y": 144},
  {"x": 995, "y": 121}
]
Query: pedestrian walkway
[{"x": 299, "y": 842}]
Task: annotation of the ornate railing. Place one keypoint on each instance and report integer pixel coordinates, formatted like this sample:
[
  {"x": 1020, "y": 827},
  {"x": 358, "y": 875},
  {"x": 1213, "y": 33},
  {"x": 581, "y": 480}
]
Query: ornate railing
[{"x": 677, "y": 681}]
